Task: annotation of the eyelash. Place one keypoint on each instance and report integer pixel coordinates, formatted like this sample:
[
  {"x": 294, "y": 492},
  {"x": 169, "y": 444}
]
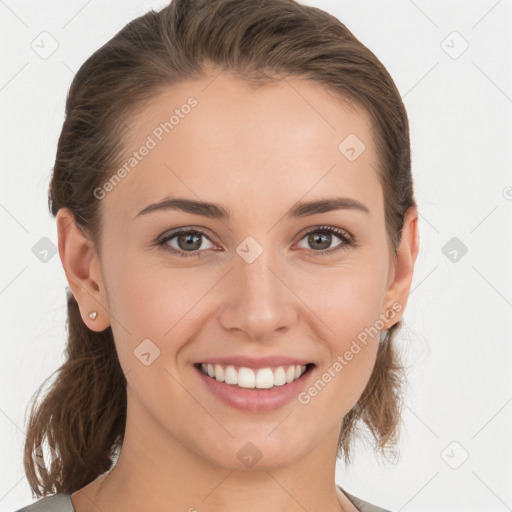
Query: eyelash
[{"x": 347, "y": 240}]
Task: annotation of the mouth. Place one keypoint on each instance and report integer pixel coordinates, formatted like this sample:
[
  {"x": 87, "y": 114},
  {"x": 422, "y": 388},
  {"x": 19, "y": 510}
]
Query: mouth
[{"x": 255, "y": 378}]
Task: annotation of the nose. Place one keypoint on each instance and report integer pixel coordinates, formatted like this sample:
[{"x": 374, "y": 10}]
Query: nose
[{"x": 259, "y": 301}]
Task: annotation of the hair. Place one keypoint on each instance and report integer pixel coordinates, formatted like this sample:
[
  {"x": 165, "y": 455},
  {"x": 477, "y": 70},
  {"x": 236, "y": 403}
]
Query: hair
[{"x": 83, "y": 415}]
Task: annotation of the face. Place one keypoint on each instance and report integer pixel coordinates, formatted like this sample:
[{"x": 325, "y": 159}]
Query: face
[{"x": 254, "y": 281}]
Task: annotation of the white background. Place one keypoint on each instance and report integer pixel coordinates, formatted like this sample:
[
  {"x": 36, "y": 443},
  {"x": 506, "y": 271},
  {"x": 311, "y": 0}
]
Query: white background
[{"x": 457, "y": 340}]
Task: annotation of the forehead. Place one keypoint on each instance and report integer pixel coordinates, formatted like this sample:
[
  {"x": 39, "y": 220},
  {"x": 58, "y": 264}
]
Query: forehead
[{"x": 220, "y": 139}]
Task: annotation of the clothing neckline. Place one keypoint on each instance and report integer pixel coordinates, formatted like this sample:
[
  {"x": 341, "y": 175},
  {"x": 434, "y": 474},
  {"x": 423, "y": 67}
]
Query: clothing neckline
[{"x": 349, "y": 496}]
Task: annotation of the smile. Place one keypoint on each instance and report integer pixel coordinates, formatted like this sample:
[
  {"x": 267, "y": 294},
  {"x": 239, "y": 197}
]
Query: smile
[{"x": 261, "y": 378}]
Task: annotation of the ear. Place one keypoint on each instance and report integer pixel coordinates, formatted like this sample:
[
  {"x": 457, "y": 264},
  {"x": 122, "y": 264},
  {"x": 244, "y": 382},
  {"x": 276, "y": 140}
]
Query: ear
[
  {"x": 402, "y": 267},
  {"x": 82, "y": 267}
]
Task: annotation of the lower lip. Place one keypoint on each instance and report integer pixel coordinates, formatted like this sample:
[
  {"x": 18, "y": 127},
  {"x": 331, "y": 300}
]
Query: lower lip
[{"x": 254, "y": 399}]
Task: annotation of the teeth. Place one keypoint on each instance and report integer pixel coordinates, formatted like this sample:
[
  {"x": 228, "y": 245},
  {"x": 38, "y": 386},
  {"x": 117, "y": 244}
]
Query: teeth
[
  {"x": 290, "y": 374},
  {"x": 264, "y": 378},
  {"x": 219, "y": 372},
  {"x": 247, "y": 378},
  {"x": 279, "y": 376},
  {"x": 231, "y": 375}
]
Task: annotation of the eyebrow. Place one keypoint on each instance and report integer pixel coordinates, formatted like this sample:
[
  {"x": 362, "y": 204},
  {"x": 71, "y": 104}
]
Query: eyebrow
[{"x": 217, "y": 211}]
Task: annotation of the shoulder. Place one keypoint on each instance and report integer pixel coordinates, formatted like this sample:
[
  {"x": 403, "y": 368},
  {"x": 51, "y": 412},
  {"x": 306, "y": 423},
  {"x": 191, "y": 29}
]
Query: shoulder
[
  {"x": 361, "y": 505},
  {"x": 56, "y": 503}
]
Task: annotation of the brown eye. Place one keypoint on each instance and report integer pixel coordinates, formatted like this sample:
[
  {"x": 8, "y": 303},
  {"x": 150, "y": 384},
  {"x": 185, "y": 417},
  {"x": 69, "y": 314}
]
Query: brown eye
[
  {"x": 320, "y": 240},
  {"x": 189, "y": 242}
]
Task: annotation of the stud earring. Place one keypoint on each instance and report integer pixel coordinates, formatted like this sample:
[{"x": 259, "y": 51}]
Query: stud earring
[{"x": 93, "y": 315}]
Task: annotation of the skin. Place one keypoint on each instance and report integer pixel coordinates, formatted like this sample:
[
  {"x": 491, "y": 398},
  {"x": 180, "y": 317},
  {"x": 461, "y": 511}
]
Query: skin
[{"x": 257, "y": 152}]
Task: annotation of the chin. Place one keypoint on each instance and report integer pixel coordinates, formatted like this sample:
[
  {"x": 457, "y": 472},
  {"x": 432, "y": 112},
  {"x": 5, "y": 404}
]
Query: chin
[{"x": 254, "y": 453}]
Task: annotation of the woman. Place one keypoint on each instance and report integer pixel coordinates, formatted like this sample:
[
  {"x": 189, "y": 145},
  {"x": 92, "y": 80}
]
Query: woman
[{"x": 238, "y": 228}]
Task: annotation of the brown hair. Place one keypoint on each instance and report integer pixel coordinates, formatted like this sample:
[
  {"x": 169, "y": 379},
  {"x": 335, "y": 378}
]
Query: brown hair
[{"x": 82, "y": 416}]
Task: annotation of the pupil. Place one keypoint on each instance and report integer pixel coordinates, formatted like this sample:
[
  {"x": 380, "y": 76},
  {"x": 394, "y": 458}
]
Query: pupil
[
  {"x": 189, "y": 241},
  {"x": 326, "y": 238},
  {"x": 193, "y": 241}
]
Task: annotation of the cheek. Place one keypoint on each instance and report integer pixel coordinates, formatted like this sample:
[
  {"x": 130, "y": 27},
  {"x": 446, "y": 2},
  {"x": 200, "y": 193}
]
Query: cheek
[
  {"x": 154, "y": 303},
  {"x": 349, "y": 306},
  {"x": 350, "y": 312},
  {"x": 348, "y": 301}
]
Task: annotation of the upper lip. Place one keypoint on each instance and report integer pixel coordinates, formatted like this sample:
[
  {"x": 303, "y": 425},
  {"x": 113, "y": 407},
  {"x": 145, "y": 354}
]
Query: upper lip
[{"x": 256, "y": 362}]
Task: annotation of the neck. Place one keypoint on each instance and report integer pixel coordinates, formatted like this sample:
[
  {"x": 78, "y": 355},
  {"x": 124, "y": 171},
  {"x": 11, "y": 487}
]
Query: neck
[{"x": 157, "y": 472}]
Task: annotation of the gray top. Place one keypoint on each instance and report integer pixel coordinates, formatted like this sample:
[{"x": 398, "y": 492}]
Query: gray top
[
  {"x": 62, "y": 503},
  {"x": 56, "y": 503}
]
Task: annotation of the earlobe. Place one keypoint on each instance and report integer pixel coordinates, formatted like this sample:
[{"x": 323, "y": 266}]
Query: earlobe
[
  {"x": 407, "y": 252},
  {"x": 81, "y": 265}
]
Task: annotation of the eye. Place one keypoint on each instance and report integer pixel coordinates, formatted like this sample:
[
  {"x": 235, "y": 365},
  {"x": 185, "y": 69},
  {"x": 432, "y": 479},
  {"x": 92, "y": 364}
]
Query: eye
[
  {"x": 321, "y": 238},
  {"x": 189, "y": 242}
]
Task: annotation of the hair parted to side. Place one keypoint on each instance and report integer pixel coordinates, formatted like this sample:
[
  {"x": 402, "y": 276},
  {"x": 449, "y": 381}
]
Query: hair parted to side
[{"x": 82, "y": 417}]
